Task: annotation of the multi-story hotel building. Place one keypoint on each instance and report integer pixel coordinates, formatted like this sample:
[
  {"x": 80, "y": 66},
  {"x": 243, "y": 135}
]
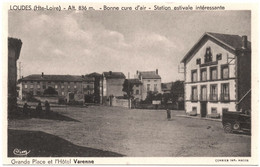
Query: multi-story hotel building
[{"x": 217, "y": 73}]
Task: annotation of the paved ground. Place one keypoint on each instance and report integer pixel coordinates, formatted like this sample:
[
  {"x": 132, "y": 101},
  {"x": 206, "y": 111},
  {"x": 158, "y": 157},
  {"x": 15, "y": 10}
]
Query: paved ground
[{"x": 136, "y": 133}]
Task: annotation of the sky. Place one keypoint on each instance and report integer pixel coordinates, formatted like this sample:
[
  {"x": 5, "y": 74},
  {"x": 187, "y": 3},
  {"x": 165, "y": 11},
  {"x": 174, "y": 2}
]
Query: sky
[{"x": 79, "y": 43}]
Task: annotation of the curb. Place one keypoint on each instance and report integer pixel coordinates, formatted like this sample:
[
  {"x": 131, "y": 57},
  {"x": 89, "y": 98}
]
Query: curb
[{"x": 209, "y": 119}]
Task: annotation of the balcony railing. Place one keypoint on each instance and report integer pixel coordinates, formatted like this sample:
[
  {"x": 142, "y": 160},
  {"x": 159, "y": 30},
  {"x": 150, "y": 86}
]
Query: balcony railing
[
  {"x": 213, "y": 97},
  {"x": 203, "y": 97},
  {"x": 224, "y": 97},
  {"x": 194, "y": 97}
]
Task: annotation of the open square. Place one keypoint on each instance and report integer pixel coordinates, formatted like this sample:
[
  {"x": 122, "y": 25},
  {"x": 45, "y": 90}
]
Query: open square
[{"x": 117, "y": 131}]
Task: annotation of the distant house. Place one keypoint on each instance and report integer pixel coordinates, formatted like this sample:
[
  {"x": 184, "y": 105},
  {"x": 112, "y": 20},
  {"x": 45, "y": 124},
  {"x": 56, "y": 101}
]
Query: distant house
[
  {"x": 14, "y": 48},
  {"x": 151, "y": 81},
  {"x": 218, "y": 74},
  {"x": 97, "y": 78},
  {"x": 111, "y": 85},
  {"x": 69, "y": 87},
  {"x": 137, "y": 88}
]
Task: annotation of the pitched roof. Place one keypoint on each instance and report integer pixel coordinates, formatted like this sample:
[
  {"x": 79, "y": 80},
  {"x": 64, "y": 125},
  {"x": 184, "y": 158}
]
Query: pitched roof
[
  {"x": 231, "y": 42},
  {"x": 149, "y": 75},
  {"x": 135, "y": 81},
  {"x": 66, "y": 78},
  {"x": 111, "y": 74}
]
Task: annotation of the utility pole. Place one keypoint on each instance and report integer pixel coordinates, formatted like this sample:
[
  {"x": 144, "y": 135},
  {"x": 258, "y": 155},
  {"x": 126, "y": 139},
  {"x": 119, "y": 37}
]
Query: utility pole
[{"x": 129, "y": 97}]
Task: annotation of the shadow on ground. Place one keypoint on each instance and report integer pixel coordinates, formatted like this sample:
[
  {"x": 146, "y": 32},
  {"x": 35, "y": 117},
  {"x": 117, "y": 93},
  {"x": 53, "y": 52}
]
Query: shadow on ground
[
  {"x": 42, "y": 144},
  {"x": 32, "y": 114}
]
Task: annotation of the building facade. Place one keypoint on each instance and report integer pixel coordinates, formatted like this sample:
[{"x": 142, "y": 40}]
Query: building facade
[
  {"x": 151, "y": 81},
  {"x": 97, "y": 78},
  {"x": 137, "y": 88},
  {"x": 69, "y": 87},
  {"x": 218, "y": 75},
  {"x": 14, "y": 48},
  {"x": 111, "y": 85}
]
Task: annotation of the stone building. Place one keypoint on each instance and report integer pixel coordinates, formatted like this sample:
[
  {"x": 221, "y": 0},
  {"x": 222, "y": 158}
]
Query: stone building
[
  {"x": 137, "y": 88},
  {"x": 14, "y": 48},
  {"x": 97, "y": 78},
  {"x": 218, "y": 75},
  {"x": 151, "y": 81},
  {"x": 69, "y": 87},
  {"x": 111, "y": 85}
]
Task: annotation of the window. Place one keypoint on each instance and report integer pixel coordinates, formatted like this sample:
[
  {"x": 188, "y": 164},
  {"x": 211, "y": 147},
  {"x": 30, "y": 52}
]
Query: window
[
  {"x": 224, "y": 109},
  {"x": 203, "y": 74},
  {"x": 75, "y": 86},
  {"x": 155, "y": 87},
  {"x": 155, "y": 80},
  {"x": 25, "y": 86},
  {"x": 148, "y": 80},
  {"x": 68, "y": 86},
  {"x": 44, "y": 86},
  {"x": 137, "y": 92},
  {"x": 194, "y": 109},
  {"x": 56, "y": 86},
  {"x": 198, "y": 61},
  {"x": 219, "y": 56},
  {"x": 224, "y": 72},
  {"x": 203, "y": 96},
  {"x": 194, "y": 93},
  {"x": 137, "y": 86},
  {"x": 88, "y": 86},
  {"x": 148, "y": 87},
  {"x": 208, "y": 55},
  {"x": 213, "y": 96},
  {"x": 225, "y": 92},
  {"x": 194, "y": 76},
  {"x": 214, "y": 110},
  {"x": 213, "y": 73},
  {"x": 62, "y": 86},
  {"x": 38, "y": 86},
  {"x": 31, "y": 86},
  {"x": 62, "y": 93}
]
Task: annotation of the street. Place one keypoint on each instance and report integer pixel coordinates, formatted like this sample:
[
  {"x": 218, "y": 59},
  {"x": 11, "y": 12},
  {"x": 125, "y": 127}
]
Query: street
[{"x": 119, "y": 131}]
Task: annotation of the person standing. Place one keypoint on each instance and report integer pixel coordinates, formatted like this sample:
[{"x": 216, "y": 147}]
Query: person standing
[
  {"x": 25, "y": 108},
  {"x": 47, "y": 107},
  {"x": 39, "y": 109},
  {"x": 168, "y": 114}
]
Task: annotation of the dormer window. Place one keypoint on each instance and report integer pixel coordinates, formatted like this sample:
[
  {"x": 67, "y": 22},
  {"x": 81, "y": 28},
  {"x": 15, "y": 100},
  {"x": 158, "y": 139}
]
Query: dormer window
[{"x": 208, "y": 55}]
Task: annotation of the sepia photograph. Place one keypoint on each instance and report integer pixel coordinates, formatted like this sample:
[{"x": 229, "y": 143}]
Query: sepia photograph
[{"x": 107, "y": 82}]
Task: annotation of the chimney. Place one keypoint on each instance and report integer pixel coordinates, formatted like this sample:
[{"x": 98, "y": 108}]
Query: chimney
[
  {"x": 42, "y": 74},
  {"x": 156, "y": 71},
  {"x": 110, "y": 72},
  {"x": 244, "y": 42},
  {"x": 137, "y": 72}
]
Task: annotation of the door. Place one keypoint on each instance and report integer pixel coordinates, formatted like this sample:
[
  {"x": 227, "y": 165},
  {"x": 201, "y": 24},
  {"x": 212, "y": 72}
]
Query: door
[{"x": 203, "y": 109}]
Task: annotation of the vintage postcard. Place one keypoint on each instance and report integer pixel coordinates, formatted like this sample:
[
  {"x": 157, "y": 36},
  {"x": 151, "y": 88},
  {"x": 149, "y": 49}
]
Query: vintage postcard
[{"x": 130, "y": 83}]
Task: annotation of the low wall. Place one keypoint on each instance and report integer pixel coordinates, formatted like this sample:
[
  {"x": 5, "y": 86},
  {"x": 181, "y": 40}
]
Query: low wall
[
  {"x": 50, "y": 99},
  {"x": 120, "y": 102}
]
